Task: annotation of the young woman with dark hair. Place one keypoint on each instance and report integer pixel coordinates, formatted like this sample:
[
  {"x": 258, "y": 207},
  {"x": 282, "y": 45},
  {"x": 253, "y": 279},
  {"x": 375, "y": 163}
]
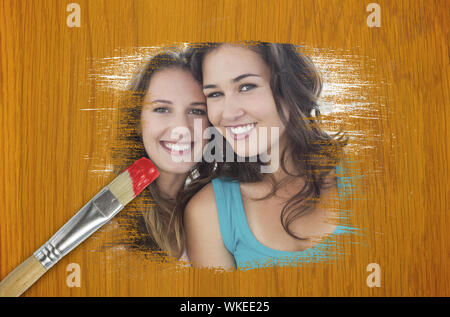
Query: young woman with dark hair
[{"x": 245, "y": 217}]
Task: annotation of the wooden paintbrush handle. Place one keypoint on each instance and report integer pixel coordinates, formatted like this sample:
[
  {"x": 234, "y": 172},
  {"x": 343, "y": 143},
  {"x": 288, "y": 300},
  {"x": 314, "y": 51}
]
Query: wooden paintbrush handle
[{"x": 23, "y": 276}]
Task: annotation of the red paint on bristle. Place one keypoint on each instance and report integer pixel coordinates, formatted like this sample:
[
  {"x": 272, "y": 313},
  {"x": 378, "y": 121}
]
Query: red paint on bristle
[{"x": 142, "y": 173}]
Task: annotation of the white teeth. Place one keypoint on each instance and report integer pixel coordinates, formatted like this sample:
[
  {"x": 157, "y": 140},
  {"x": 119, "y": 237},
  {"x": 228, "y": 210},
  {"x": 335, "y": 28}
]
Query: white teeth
[
  {"x": 177, "y": 146},
  {"x": 242, "y": 129}
]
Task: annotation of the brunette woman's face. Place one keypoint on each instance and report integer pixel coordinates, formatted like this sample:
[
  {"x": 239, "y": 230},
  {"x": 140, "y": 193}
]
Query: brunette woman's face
[
  {"x": 236, "y": 83},
  {"x": 173, "y": 103}
]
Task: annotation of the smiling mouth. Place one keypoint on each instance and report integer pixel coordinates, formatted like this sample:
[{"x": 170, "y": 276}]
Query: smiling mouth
[
  {"x": 177, "y": 148},
  {"x": 239, "y": 132}
]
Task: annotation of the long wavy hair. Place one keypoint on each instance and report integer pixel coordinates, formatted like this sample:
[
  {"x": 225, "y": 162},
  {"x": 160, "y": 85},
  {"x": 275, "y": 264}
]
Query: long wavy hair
[
  {"x": 161, "y": 223},
  {"x": 296, "y": 86}
]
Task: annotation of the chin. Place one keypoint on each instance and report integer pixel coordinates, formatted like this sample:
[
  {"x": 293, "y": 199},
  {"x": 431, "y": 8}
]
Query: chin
[
  {"x": 246, "y": 152},
  {"x": 179, "y": 168}
]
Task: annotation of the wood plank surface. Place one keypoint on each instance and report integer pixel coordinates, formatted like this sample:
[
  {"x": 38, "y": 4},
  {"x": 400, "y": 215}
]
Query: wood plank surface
[{"x": 60, "y": 91}]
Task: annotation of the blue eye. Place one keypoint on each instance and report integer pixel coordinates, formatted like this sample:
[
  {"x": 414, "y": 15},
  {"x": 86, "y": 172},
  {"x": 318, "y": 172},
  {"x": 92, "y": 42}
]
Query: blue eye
[
  {"x": 214, "y": 94},
  {"x": 246, "y": 87},
  {"x": 198, "y": 112},
  {"x": 161, "y": 110}
]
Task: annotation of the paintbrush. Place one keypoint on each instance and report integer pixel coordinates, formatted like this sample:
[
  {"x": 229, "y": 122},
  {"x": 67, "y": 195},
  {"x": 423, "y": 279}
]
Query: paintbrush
[{"x": 97, "y": 212}]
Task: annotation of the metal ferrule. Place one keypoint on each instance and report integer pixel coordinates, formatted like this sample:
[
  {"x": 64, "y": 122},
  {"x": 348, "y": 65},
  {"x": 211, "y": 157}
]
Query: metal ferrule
[{"x": 98, "y": 211}]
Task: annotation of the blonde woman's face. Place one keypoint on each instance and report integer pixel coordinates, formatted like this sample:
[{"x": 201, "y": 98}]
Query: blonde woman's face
[
  {"x": 236, "y": 83},
  {"x": 173, "y": 119}
]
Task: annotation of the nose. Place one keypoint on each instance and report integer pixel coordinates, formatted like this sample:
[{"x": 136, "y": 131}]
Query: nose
[
  {"x": 232, "y": 109},
  {"x": 180, "y": 128}
]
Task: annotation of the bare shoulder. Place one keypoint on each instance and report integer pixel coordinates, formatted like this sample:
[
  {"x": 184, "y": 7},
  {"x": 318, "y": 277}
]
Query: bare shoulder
[
  {"x": 201, "y": 211},
  {"x": 204, "y": 242},
  {"x": 202, "y": 202}
]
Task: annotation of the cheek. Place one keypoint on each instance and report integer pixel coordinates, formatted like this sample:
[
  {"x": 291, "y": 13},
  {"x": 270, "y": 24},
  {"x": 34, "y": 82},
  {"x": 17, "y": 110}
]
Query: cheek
[
  {"x": 198, "y": 130},
  {"x": 205, "y": 126},
  {"x": 150, "y": 128},
  {"x": 260, "y": 105},
  {"x": 268, "y": 110},
  {"x": 214, "y": 114}
]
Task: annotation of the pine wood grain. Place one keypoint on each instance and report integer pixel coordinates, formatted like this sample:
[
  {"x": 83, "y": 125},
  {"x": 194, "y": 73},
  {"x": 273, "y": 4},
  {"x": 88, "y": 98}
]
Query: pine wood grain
[{"x": 55, "y": 152}]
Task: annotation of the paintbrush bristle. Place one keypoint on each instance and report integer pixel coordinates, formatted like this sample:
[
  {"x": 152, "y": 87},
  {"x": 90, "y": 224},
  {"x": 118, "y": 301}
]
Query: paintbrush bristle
[
  {"x": 133, "y": 180},
  {"x": 122, "y": 188}
]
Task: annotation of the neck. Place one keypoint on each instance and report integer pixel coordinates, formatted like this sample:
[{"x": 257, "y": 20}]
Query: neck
[
  {"x": 279, "y": 174},
  {"x": 169, "y": 184}
]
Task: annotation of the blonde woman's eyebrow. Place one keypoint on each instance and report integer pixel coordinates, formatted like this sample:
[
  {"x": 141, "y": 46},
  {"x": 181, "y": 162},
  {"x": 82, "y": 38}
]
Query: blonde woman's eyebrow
[
  {"x": 161, "y": 101},
  {"x": 194, "y": 103},
  {"x": 234, "y": 80}
]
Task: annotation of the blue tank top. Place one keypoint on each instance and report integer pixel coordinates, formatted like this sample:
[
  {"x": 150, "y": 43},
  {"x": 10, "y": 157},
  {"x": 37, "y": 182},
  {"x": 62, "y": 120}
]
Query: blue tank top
[{"x": 247, "y": 251}]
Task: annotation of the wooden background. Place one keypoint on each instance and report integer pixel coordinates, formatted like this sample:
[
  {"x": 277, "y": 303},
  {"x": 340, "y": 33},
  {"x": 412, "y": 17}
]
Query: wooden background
[{"x": 57, "y": 122}]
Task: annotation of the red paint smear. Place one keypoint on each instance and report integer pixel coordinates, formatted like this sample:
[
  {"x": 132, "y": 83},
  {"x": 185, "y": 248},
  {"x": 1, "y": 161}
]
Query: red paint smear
[{"x": 142, "y": 173}]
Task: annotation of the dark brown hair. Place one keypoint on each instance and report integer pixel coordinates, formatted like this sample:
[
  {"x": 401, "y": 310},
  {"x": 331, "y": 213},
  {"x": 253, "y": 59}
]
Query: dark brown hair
[{"x": 296, "y": 86}]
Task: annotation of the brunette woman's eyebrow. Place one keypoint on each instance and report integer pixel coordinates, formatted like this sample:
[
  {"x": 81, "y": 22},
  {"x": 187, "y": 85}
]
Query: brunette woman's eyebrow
[
  {"x": 234, "y": 80},
  {"x": 240, "y": 77},
  {"x": 209, "y": 86}
]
